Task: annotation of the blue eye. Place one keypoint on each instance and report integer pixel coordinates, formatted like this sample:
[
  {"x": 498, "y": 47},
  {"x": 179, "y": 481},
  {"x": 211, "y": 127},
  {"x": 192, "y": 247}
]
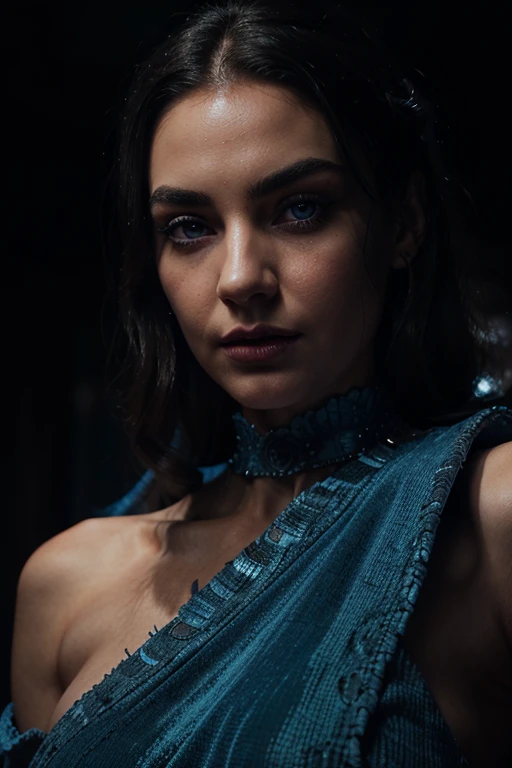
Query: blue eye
[
  {"x": 302, "y": 207},
  {"x": 190, "y": 225}
]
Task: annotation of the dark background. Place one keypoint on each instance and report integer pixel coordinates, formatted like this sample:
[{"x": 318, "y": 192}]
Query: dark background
[{"x": 66, "y": 69}]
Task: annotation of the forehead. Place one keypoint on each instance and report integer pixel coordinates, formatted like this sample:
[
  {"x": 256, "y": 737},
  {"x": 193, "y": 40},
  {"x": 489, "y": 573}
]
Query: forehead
[{"x": 234, "y": 131}]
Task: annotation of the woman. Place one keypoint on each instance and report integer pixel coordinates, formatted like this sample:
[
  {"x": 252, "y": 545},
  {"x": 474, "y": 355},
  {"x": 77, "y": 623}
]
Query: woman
[{"x": 298, "y": 320}]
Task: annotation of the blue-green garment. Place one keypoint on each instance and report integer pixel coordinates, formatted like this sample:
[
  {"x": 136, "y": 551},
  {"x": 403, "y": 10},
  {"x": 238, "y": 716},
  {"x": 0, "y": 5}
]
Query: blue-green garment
[{"x": 291, "y": 655}]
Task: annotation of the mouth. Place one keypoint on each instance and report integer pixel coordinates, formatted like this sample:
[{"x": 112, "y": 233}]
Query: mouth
[
  {"x": 262, "y": 349},
  {"x": 261, "y": 340}
]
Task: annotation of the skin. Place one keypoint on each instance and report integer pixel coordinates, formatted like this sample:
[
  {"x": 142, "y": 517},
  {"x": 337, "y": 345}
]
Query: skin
[{"x": 249, "y": 264}]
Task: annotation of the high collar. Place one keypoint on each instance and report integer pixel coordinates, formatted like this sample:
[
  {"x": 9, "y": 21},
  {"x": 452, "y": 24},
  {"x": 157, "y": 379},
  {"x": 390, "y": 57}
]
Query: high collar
[{"x": 342, "y": 428}]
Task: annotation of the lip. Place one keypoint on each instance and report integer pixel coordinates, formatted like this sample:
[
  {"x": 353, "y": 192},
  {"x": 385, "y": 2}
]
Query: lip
[
  {"x": 240, "y": 333},
  {"x": 244, "y": 352}
]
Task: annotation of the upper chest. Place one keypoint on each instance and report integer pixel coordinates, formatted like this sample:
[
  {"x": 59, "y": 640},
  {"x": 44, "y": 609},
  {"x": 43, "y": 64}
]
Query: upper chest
[{"x": 137, "y": 595}]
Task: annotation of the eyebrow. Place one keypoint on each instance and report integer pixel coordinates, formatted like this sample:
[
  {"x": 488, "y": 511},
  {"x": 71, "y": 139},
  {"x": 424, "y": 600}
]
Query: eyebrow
[{"x": 281, "y": 178}]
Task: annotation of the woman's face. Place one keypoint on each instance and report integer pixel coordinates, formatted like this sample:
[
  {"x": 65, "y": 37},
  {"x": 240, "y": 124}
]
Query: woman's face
[{"x": 310, "y": 255}]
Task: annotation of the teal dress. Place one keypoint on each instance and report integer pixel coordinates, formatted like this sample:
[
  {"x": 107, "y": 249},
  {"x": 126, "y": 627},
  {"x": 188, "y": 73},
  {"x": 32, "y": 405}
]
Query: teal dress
[{"x": 292, "y": 655}]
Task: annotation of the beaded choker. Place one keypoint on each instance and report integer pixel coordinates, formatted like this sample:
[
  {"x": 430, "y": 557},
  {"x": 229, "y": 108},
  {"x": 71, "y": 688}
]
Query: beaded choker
[{"x": 345, "y": 427}]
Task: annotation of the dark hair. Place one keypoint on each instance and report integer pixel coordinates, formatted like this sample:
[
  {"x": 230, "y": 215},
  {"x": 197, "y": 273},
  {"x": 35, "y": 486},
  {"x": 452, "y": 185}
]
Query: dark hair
[{"x": 429, "y": 346}]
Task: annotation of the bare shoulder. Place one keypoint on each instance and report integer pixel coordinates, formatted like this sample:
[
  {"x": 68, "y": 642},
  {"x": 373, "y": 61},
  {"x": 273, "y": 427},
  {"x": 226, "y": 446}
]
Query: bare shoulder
[
  {"x": 490, "y": 485},
  {"x": 492, "y": 475},
  {"x": 490, "y": 488},
  {"x": 58, "y": 564},
  {"x": 55, "y": 579}
]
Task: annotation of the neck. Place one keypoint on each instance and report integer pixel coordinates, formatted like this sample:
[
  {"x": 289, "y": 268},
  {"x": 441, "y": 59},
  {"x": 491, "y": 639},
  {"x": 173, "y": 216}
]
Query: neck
[{"x": 258, "y": 500}]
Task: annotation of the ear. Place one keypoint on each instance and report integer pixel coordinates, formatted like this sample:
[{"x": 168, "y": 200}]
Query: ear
[{"x": 411, "y": 222}]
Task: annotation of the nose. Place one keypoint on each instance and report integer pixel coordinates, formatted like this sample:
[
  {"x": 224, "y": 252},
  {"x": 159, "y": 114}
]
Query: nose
[{"x": 248, "y": 266}]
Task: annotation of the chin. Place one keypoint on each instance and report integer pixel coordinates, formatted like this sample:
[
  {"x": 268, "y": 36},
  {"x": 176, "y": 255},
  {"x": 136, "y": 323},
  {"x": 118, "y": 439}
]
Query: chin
[{"x": 265, "y": 397}]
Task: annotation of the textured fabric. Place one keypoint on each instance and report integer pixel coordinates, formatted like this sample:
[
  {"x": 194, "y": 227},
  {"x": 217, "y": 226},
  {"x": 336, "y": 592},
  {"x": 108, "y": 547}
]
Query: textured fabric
[
  {"x": 344, "y": 427},
  {"x": 17, "y": 749},
  {"x": 407, "y": 729},
  {"x": 291, "y": 656}
]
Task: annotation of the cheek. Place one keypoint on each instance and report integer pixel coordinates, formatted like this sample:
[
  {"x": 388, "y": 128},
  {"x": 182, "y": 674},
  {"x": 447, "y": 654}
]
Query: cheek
[
  {"x": 345, "y": 291},
  {"x": 189, "y": 298},
  {"x": 332, "y": 279}
]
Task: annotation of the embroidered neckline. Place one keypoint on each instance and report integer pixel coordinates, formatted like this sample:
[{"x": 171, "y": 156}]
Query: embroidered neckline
[{"x": 345, "y": 427}]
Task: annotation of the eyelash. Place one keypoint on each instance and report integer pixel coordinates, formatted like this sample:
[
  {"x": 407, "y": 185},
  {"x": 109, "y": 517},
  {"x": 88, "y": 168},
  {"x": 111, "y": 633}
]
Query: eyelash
[{"x": 305, "y": 225}]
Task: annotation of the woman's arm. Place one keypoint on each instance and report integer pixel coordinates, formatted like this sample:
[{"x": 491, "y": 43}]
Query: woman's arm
[
  {"x": 492, "y": 498},
  {"x": 47, "y": 593}
]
